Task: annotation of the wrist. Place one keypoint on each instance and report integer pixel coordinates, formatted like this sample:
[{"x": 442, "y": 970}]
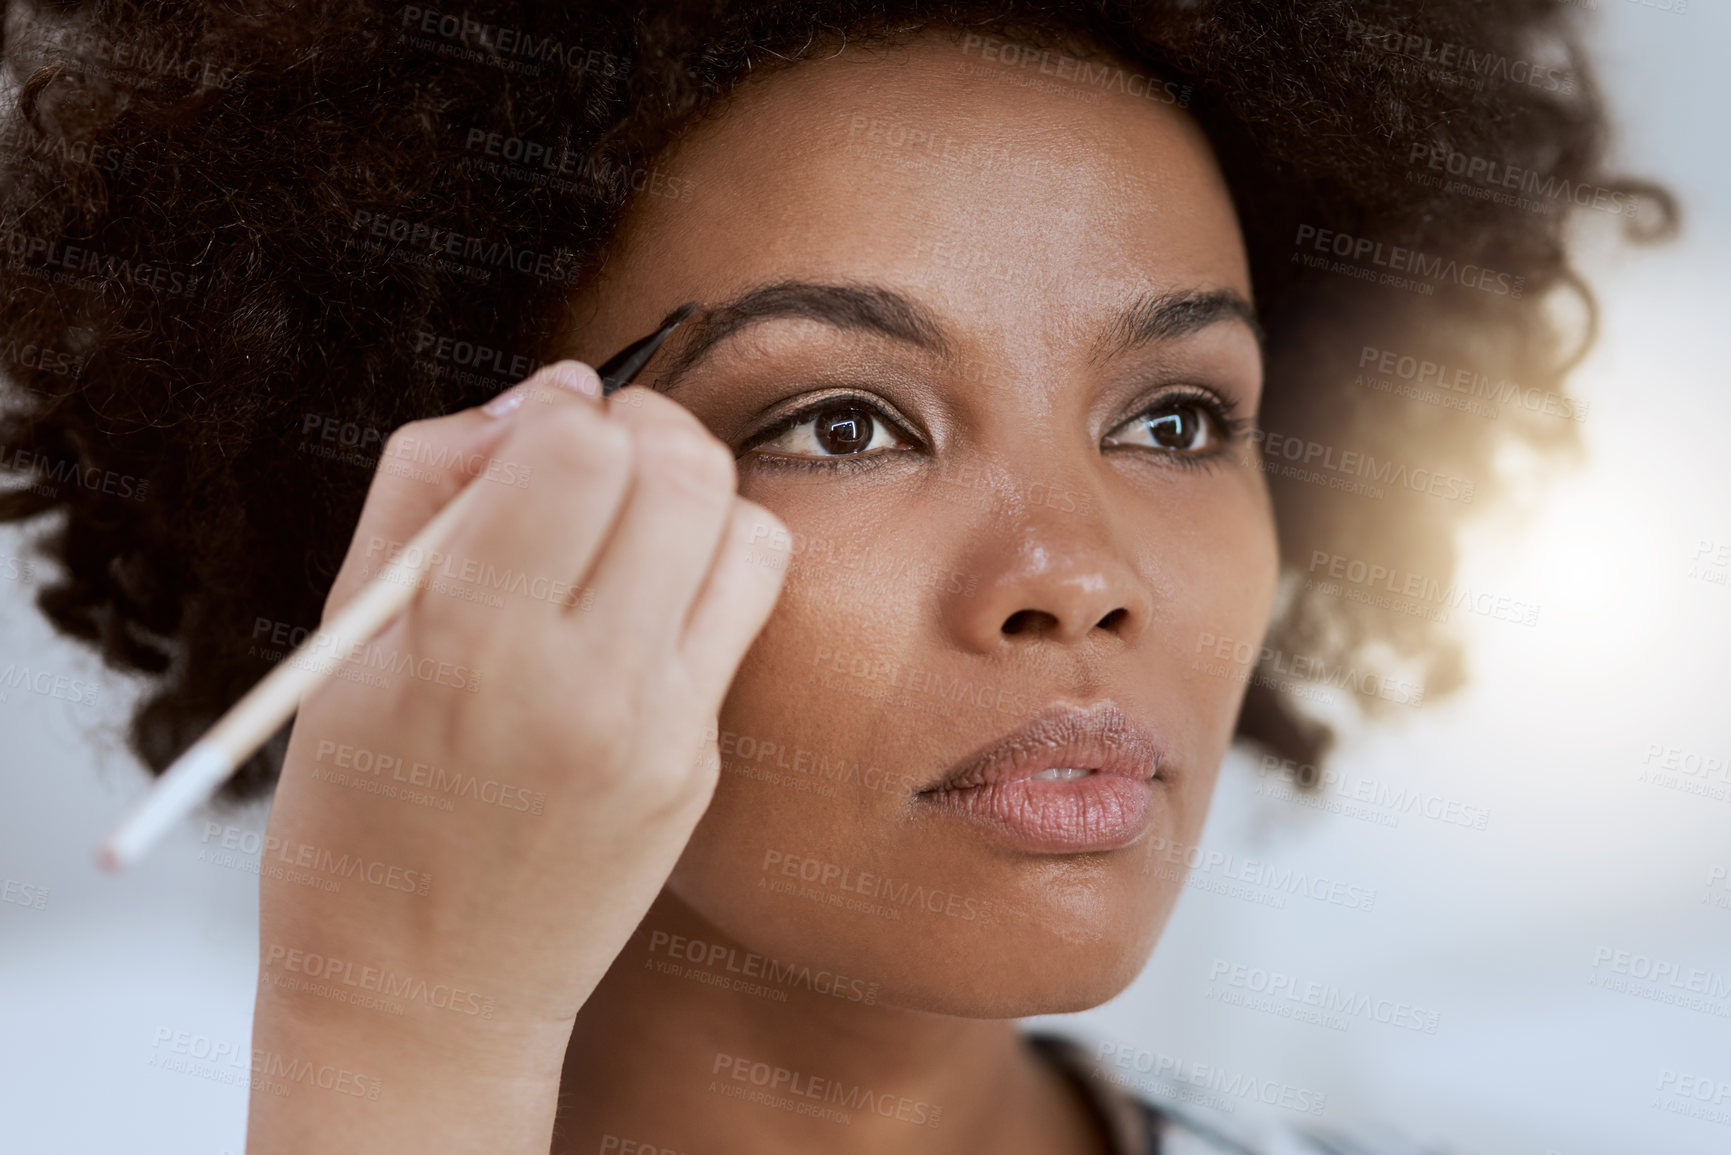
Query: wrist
[{"x": 334, "y": 1078}]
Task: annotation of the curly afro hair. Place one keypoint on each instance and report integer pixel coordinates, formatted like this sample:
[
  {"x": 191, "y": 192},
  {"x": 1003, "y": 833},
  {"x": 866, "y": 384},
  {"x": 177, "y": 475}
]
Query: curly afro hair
[{"x": 206, "y": 347}]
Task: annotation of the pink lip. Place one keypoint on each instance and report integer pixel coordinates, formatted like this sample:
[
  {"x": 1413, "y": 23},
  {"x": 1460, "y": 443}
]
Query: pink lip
[{"x": 994, "y": 787}]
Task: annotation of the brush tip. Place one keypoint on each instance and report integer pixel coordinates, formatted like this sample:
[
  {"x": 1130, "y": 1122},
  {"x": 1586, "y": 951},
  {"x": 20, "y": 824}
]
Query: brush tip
[{"x": 679, "y": 314}]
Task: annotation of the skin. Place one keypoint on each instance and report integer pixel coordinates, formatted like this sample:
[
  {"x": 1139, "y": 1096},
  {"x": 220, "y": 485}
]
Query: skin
[
  {"x": 1087, "y": 571},
  {"x": 1016, "y": 529}
]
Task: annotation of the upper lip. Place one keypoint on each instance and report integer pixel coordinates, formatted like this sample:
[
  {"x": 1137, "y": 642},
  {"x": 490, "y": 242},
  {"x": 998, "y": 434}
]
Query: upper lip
[{"x": 1099, "y": 737}]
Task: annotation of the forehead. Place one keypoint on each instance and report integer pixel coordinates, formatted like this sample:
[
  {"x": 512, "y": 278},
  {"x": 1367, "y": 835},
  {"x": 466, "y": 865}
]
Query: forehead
[{"x": 1023, "y": 203}]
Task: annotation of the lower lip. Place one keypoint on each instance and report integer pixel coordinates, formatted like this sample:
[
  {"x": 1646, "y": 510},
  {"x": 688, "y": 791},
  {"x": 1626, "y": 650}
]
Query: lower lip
[{"x": 1077, "y": 816}]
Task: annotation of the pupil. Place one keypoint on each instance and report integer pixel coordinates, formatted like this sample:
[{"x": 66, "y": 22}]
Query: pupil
[
  {"x": 844, "y": 429},
  {"x": 1175, "y": 429}
]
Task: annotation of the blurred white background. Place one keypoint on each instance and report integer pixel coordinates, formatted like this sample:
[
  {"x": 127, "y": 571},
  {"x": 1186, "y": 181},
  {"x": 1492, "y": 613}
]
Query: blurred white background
[{"x": 1508, "y": 934}]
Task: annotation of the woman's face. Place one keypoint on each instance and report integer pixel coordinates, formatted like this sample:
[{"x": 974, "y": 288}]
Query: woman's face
[{"x": 1027, "y": 487}]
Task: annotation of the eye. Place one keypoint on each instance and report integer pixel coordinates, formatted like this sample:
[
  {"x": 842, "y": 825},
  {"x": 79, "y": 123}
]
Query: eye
[
  {"x": 1191, "y": 425},
  {"x": 835, "y": 427}
]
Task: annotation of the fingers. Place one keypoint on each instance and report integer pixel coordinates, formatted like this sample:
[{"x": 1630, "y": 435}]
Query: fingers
[
  {"x": 527, "y": 542},
  {"x": 423, "y": 466},
  {"x": 631, "y": 501},
  {"x": 648, "y": 574},
  {"x": 749, "y": 571}
]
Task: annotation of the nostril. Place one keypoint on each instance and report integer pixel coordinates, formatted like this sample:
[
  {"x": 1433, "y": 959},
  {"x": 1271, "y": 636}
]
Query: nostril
[
  {"x": 1026, "y": 621},
  {"x": 1112, "y": 620}
]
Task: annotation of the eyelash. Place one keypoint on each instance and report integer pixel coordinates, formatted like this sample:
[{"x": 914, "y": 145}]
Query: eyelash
[
  {"x": 1218, "y": 410},
  {"x": 1223, "y": 413},
  {"x": 843, "y": 464}
]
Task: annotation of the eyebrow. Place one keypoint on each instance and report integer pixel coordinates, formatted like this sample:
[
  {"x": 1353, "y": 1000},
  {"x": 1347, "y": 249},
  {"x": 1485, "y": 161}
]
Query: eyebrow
[
  {"x": 875, "y": 309},
  {"x": 1161, "y": 316},
  {"x": 865, "y": 308}
]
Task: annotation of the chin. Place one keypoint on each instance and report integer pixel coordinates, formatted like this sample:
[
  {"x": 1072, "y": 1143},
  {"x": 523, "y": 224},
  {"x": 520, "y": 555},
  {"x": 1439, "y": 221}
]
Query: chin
[
  {"x": 1047, "y": 942},
  {"x": 1012, "y": 983}
]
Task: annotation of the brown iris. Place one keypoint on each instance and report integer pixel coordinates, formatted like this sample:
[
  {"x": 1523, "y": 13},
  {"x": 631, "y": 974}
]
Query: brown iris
[{"x": 843, "y": 428}]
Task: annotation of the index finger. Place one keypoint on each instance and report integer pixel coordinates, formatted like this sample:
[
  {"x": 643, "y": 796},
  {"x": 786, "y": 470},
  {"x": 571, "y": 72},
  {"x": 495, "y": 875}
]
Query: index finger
[{"x": 426, "y": 463}]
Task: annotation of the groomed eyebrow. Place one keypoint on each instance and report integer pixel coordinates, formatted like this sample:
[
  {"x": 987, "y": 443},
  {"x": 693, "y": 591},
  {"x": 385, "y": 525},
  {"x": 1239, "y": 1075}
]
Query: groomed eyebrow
[
  {"x": 867, "y": 308},
  {"x": 1161, "y": 316},
  {"x": 885, "y": 312}
]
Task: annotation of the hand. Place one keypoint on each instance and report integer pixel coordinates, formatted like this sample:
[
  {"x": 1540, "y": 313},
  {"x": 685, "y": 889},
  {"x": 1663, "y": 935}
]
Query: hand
[{"x": 542, "y": 747}]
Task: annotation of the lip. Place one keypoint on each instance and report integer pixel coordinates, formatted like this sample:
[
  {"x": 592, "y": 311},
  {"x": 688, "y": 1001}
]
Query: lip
[{"x": 995, "y": 789}]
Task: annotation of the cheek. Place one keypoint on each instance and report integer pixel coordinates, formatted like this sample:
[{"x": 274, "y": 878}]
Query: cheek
[
  {"x": 810, "y": 777},
  {"x": 807, "y": 853},
  {"x": 1220, "y": 566}
]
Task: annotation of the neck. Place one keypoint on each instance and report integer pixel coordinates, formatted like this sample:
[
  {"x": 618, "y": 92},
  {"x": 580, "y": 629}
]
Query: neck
[{"x": 739, "y": 1053}]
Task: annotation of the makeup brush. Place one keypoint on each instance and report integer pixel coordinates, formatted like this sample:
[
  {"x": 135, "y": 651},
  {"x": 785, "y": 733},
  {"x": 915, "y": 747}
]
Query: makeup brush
[{"x": 192, "y": 778}]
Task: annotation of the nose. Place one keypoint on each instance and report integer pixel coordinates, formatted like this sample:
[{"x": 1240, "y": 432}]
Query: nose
[{"x": 1054, "y": 576}]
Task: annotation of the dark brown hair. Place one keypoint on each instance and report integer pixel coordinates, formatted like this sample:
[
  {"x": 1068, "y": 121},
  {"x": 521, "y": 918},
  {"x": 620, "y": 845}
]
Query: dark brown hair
[{"x": 221, "y": 227}]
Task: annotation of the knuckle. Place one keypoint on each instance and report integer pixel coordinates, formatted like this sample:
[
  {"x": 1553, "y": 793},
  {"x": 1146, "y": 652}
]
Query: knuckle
[
  {"x": 408, "y": 433},
  {"x": 572, "y": 439},
  {"x": 691, "y": 453}
]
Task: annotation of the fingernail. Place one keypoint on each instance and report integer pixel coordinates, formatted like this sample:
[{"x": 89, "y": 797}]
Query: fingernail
[
  {"x": 575, "y": 376},
  {"x": 507, "y": 402}
]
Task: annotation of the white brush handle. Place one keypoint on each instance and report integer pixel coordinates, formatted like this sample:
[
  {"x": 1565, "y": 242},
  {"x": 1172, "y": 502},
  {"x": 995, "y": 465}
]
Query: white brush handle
[{"x": 193, "y": 777}]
